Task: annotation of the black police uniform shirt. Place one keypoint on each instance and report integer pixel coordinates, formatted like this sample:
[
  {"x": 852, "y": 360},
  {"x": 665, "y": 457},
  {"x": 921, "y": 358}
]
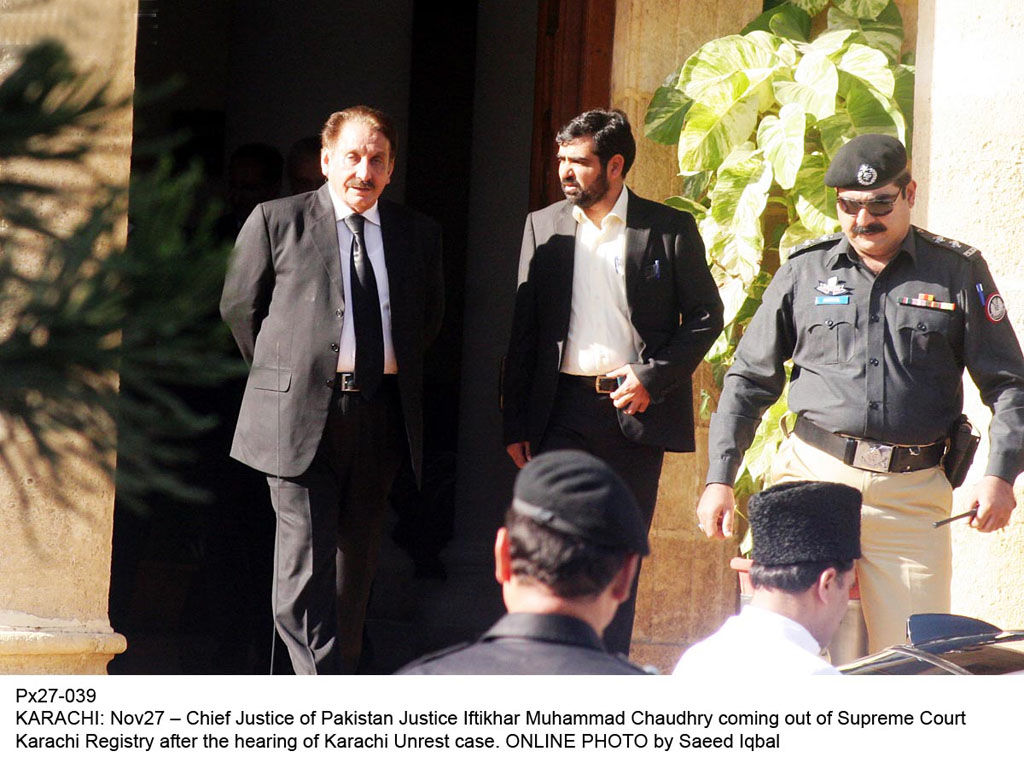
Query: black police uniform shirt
[
  {"x": 877, "y": 356},
  {"x": 528, "y": 644}
]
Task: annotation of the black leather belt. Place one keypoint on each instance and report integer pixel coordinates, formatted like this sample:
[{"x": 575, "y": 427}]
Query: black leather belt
[
  {"x": 870, "y": 455},
  {"x": 602, "y": 385}
]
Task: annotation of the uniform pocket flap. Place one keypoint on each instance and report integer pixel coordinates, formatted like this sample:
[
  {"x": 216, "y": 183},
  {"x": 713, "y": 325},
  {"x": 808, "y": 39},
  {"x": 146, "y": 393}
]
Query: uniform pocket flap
[{"x": 275, "y": 379}]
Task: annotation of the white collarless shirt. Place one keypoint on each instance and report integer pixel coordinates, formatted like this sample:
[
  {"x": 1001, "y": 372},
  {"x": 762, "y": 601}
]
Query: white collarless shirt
[
  {"x": 601, "y": 336},
  {"x": 757, "y": 642},
  {"x": 375, "y": 250}
]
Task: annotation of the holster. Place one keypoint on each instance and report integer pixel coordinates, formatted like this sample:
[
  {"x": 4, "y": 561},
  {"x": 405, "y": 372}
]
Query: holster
[{"x": 963, "y": 444}]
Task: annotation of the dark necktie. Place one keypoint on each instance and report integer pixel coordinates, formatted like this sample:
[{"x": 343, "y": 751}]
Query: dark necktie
[{"x": 366, "y": 310}]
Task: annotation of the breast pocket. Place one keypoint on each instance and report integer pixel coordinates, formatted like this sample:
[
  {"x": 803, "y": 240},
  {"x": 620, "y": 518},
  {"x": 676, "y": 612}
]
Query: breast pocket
[
  {"x": 831, "y": 334},
  {"x": 925, "y": 338}
]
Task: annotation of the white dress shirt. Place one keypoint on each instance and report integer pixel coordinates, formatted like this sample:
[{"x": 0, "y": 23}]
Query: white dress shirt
[
  {"x": 755, "y": 643},
  {"x": 375, "y": 251},
  {"x": 601, "y": 336}
]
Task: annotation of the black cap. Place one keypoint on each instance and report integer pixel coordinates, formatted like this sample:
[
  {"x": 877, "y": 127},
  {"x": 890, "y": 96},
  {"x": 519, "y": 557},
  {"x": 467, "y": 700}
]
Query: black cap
[
  {"x": 805, "y": 522},
  {"x": 867, "y": 161},
  {"x": 578, "y": 494}
]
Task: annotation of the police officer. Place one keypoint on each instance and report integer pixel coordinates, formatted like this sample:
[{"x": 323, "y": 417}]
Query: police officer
[
  {"x": 880, "y": 322},
  {"x": 565, "y": 560}
]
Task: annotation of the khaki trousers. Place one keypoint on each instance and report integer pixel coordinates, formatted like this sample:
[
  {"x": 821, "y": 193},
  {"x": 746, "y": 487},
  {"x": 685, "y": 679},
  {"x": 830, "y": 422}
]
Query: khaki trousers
[{"x": 906, "y": 564}]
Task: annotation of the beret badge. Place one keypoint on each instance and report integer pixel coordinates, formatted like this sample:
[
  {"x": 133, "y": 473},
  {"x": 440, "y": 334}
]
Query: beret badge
[{"x": 866, "y": 174}]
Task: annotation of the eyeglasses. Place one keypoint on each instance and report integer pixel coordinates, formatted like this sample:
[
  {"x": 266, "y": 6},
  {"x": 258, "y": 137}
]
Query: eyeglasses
[{"x": 879, "y": 206}]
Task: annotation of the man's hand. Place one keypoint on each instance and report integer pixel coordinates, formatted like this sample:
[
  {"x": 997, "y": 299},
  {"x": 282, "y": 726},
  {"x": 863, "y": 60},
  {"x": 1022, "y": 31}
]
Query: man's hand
[
  {"x": 631, "y": 395},
  {"x": 520, "y": 452},
  {"x": 716, "y": 510},
  {"x": 994, "y": 500}
]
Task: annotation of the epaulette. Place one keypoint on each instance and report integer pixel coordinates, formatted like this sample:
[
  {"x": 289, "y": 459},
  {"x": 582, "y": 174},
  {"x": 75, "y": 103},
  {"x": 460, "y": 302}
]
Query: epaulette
[
  {"x": 815, "y": 243},
  {"x": 964, "y": 250}
]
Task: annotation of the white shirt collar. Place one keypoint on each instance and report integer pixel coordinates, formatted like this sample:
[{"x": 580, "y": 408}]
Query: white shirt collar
[
  {"x": 343, "y": 210},
  {"x": 782, "y": 624},
  {"x": 617, "y": 213}
]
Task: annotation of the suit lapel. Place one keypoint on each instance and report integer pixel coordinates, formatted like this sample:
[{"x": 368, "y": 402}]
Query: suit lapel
[
  {"x": 323, "y": 230},
  {"x": 638, "y": 234}
]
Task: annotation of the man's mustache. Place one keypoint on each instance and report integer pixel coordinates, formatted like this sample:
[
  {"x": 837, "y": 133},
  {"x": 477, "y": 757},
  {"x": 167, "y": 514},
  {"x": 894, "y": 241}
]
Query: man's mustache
[
  {"x": 360, "y": 185},
  {"x": 872, "y": 228}
]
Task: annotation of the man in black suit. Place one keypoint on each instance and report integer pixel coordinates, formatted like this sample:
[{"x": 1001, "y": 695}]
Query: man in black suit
[
  {"x": 332, "y": 297},
  {"x": 614, "y": 311}
]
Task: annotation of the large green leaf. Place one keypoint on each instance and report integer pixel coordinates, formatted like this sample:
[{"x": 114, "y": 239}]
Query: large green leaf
[
  {"x": 834, "y": 132},
  {"x": 811, "y": 7},
  {"x": 733, "y": 293},
  {"x": 666, "y": 114},
  {"x": 832, "y": 43},
  {"x": 784, "y": 20},
  {"x": 687, "y": 205},
  {"x": 862, "y": 9},
  {"x": 868, "y": 66},
  {"x": 716, "y": 125},
  {"x": 738, "y": 199},
  {"x": 871, "y": 111},
  {"x": 781, "y": 139},
  {"x": 885, "y": 33},
  {"x": 708, "y": 76},
  {"x": 815, "y": 86},
  {"x": 695, "y": 184},
  {"x": 815, "y": 202}
]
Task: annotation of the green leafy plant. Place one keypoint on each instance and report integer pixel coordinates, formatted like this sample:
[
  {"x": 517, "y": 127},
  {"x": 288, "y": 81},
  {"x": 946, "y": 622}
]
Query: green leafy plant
[
  {"x": 757, "y": 117},
  {"x": 97, "y": 335}
]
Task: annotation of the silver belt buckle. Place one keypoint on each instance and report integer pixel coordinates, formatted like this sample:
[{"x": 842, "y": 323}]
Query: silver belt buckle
[{"x": 873, "y": 456}]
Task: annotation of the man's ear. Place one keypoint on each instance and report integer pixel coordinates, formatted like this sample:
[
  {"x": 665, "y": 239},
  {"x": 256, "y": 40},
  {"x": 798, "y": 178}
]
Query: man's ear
[
  {"x": 622, "y": 584},
  {"x": 502, "y": 557},
  {"x": 614, "y": 166},
  {"x": 829, "y": 582},
  {"x": 911, "y": 192}
]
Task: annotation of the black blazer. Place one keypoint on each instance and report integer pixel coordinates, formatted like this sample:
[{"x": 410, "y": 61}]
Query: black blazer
[
  {"x": 284, "y": 302},
  {"x": 674, "y": 307}
]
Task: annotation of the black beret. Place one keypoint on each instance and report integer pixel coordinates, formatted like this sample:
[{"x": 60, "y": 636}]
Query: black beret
[
  {"x": 867, "y": 161},
  {"x": 578, "y": 494},
  {"x": 805, "y": 522}
]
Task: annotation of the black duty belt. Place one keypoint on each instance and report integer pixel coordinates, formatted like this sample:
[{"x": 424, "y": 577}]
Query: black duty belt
[
  {"x": 602, "y": 385},
  {"x": 870, "y": 455},
  {"x": 345, "y": 381}
]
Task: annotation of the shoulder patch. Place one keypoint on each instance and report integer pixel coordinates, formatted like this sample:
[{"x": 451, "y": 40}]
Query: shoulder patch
[
  {"x": 821, "y": 242},
  {"x": 964, "y": 250}
]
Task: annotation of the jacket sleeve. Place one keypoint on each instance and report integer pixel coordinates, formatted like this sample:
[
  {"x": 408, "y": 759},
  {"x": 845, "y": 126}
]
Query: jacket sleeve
[
  {"x": 699, "y": 311},
  {"x": 993, "y": 358},
  {"x": 521, "y": 358},
  {"x": 755, "y": 380},
  {"x": 249, "y": 283}
]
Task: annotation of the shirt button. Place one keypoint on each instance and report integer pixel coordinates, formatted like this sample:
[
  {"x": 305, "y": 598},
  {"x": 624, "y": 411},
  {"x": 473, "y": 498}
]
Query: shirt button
[
  {"x": 330, "y": 382},
  {"x": 337, "y": 313},
  {"x": 873, "y": 361},
  {"x": 874, "y": 319},
  {"x": 921, "y": 327},
  {"x": 873, "y": 405},
  {"x": 830, "y": 323},
  {"x": 334, "y": 346}
]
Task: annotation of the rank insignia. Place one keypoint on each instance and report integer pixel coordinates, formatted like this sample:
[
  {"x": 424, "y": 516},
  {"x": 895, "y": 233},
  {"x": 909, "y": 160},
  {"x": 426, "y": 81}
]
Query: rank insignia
[
  {"x": 866, "y": 174},
  {"x": 833, "y": 287},
  {"x": 995, "y": 308}
]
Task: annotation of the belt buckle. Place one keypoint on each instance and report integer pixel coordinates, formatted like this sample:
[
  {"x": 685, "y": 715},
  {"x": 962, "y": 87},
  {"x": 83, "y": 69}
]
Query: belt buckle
[
  {"x": 605, "y": 385},
  {"x": 873, "y": 456},
  {"x": 348, "y": 382}
]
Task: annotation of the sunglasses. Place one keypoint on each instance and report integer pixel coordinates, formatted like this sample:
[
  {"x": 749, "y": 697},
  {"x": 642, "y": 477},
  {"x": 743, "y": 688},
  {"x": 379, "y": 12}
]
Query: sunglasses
[{"x": 877, "y": 207}]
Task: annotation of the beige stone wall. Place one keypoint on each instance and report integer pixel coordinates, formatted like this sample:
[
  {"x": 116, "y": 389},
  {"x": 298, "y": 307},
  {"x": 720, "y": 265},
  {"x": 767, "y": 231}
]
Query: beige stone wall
[
  {"x": 686, "y": 589},
  {"x": 969, "y": 162},
  {"x": 56, "y": 527}
]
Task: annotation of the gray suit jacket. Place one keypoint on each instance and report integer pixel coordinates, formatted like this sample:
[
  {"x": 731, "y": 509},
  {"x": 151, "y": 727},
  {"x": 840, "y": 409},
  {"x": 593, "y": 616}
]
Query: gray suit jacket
[
  {"x": 283, "y": 300},
  {"x": 674, "y": 307}
]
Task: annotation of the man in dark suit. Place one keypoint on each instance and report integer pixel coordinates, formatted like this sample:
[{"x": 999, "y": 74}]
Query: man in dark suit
[
  {"x": 565, "y": 559},
  {"x": 614, "y": 311},
  {"x": 332, "y": 297}
]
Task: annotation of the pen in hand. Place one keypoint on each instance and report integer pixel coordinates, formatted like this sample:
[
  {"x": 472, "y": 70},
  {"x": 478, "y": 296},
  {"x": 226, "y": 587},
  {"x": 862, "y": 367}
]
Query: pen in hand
[{"x": 972, "y": 513}]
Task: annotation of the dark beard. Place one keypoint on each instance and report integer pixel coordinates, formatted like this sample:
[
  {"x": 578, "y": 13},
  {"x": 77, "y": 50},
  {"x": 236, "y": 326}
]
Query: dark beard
[{"x": 586, "y": 198}]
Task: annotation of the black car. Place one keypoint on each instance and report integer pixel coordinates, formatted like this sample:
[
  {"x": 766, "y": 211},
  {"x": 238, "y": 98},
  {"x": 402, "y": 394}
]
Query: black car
[{"x": 946, "y": 645}]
